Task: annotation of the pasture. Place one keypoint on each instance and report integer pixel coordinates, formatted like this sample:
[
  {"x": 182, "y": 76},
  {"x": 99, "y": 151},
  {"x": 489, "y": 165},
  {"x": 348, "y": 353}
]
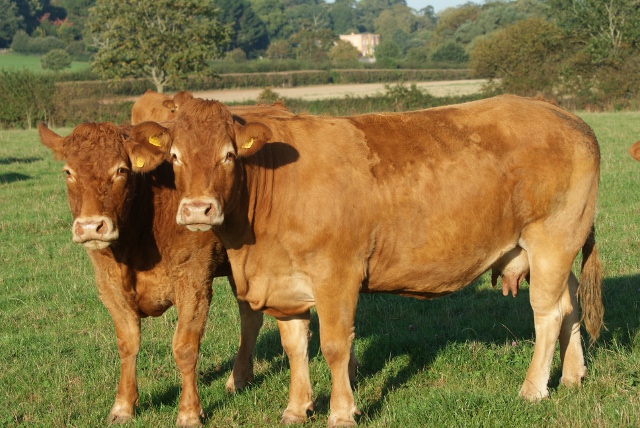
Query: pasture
[
  {"x": 454, "y": 361},
  {"x": 14, "y": 61}
]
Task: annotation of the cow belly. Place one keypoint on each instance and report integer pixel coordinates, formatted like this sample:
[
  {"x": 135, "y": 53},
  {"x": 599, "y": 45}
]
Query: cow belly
[{"x": 278, "y": 296}]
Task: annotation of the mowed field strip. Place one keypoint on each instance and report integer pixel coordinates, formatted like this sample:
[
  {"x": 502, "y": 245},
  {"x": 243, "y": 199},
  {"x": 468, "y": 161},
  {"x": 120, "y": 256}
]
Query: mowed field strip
[{"x": 323, "y": 92}]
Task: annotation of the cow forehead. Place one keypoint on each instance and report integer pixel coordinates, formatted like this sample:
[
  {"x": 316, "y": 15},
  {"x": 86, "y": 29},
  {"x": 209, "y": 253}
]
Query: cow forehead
[
  {"x": 95, "y": 148},
  {"x": 203, "y": 127}
]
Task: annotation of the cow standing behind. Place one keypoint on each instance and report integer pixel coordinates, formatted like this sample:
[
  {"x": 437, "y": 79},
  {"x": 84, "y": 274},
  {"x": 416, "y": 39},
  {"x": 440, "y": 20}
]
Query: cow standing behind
[
  {"x": 158, "y": 107},
  {"x": 418, "y": 204}
]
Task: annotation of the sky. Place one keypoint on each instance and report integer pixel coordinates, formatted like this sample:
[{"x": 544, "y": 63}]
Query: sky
[{"x": 438, "y": 5}]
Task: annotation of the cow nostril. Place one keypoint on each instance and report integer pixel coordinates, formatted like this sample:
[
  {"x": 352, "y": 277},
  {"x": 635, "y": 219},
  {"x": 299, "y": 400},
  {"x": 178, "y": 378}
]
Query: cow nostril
[
  {"x": 208, "y": 209},
  {"x": 100, "y": 228}
]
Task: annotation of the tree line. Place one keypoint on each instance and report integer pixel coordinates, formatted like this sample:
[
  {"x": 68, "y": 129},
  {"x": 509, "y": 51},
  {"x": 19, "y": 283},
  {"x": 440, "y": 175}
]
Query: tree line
[{"x": 577, "y": 51}]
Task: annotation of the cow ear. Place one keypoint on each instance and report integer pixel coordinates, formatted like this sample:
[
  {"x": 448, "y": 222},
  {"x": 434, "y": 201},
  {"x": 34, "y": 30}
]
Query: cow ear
[
  {"x": 251, "y": 137},
  {"x": 148, "y": 146},
  {"x": 51, "y": 140},
  {"x": 634, "y": 151},
  {"x": 170, "y": 104}
]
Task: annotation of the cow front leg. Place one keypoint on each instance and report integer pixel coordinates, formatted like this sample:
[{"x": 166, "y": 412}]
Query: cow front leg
[
  {"x": 294, "y": 335},
  {"x": 127, "y": 325},
  {"x": 193, "y": 309},
  {"x": 250, "y": 324}
]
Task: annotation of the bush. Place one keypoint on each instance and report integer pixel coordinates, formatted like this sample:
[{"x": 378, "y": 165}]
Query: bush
[
  {"x": 450, "y": 52},
  {"x": 25, "y": 98},
  {"x": 20, "y": 43},
  {"x": 24, "y": 44},
  {"x": 56, "y": 60},
  {"x": 524, "y": 58}
]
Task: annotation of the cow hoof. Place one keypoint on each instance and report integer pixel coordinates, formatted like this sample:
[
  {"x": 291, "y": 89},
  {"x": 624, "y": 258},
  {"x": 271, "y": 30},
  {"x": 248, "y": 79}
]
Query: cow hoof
[
  {"x": 533, "y": 394},
  {"x": 571, "y": 381},
  {"x": 336, "y": 421},
  {"x": 120, "y": 413},
  {"x": 234, "y": 385},
  {"x": 189, "y": 419},
  {"x": 118, "y": 418},
  {"x": 290, "y": 418}
]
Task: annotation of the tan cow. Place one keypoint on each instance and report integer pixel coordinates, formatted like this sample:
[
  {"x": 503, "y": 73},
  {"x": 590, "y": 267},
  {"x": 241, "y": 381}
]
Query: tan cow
[
  {"x": 418, "y": 204},
  {"x": 634, "y": 151},
  {"x": 158, "y": 107}
]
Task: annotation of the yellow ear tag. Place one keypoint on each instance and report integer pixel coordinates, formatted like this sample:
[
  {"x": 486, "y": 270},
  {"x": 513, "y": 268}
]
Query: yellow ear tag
[
  {"x": 155, "y": 141},
  {"x": 248, "y": 144},
  {"x": 139, "y": 162}
]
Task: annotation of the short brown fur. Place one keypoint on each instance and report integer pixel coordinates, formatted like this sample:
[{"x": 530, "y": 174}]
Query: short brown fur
[{"x": 418, "y": 204}]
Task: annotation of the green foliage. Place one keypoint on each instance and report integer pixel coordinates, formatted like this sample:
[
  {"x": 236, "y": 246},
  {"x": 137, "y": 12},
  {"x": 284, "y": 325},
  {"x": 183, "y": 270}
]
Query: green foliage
[
  {"x": 388, "y": 54},
  {"x": 280, "y": 49},
  {"x": 23, "y": 43},
  {"x": 248, "y": 32},
  {"x": 163, "y": 40},
  {"x": 56, "y": 60},
  {"x": 450, "y": 52},
  {"x": 268, "y": 96},
  {"x": 10, "y": 22},
  {"x": 524, "y": 57},
  {"x": 25, "y": 98},
  {"x": 344, "y": 54}
]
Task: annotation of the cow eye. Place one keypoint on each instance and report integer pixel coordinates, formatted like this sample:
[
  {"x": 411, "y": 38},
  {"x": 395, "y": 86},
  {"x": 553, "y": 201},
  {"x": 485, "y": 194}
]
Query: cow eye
[
  {"x": 230, "y": 156},
  {"x": 174, "y": 159},
  {"x": 123, "y": 171}
]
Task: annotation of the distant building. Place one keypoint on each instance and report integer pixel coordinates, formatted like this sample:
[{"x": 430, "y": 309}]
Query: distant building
[{"x": 364, "y": 42}]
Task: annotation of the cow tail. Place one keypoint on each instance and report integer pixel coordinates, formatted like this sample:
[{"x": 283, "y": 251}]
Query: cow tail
[{"x": 590, "y": 289}]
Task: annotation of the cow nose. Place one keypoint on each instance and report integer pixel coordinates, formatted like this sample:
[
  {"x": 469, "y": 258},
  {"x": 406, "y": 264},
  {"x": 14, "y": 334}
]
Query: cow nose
[
  {"x": 96, "y": 231},
  {"x": 199, "y": 214}
]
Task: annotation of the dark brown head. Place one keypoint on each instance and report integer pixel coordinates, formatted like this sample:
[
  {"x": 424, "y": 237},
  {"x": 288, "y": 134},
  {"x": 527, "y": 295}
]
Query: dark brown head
[
  {"x": 101, "y": 160},
  {"x": 207, "y": 148}
]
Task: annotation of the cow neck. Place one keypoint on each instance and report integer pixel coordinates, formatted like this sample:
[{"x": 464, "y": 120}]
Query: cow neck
[
  {"x": 254, "y": 199},
  {"x": 136, "y": 224}
]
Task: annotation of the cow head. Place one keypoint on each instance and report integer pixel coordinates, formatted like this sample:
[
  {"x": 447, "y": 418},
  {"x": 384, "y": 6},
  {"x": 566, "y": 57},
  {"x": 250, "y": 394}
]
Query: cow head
[
  {"x": 207, "y": 150},
  {"x": 101, "y": 160}
]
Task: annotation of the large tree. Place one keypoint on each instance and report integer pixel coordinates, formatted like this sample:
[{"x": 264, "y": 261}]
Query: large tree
[
  {"x": 162, "y": 40},
  {"x": 10, "y": 22},
  {"x": 248, "y": 31}
]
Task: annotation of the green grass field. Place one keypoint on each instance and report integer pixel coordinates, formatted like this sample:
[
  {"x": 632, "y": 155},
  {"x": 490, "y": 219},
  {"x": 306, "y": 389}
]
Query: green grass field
[
  {"x": 461, "y": 365},
  {"x": 13, "y": 61}
]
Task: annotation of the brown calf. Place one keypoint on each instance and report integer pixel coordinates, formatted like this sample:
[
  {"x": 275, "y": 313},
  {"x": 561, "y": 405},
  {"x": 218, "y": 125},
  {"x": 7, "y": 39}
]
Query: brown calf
[
  {"x": 124, "y": 215},
  {"x": 392, "y": 203}
]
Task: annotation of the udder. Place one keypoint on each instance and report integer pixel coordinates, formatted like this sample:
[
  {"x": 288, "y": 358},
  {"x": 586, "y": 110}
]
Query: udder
[{"x": 513, "y": 267}]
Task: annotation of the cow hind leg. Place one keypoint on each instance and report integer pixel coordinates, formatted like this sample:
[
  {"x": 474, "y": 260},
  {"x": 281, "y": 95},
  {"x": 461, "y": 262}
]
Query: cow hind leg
[
  {"x": 571, "y": 355},
  {"x": 250, "y": 324},
  {"x": 554, "y": 309}
]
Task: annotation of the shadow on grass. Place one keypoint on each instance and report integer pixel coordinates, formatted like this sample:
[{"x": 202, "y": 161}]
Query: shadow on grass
[
  {"x": 389, "y": 326},
  {"x": 11, "y": 177},
  {"x": 11, "y": 159}
]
